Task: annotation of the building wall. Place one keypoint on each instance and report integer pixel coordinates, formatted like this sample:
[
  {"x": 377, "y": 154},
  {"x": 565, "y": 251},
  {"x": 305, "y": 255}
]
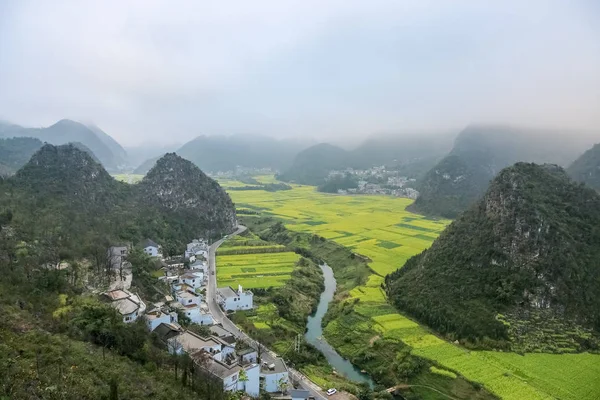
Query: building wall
[
  {"x": 129, "y": 318},
  {"x": 195, "y": 282},
  {"x": 154, "y": 323},
  {"x": 252, "y": 385},
  {"x": 243, "y": 302},
  {"x": 272, "y": 381},
  {"x": 152, "y": 251}
]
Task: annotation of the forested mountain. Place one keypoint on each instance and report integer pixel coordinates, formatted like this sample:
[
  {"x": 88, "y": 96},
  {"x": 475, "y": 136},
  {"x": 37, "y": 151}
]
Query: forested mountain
[
  {"x": 178, "y": 187},
  {"x": 519, "y": 269},
  {"x": 311, "y": 166},
  {"x": 479, "y": 153},
  {"x": 109, "y": 152},
  {"x": 412, "y": 154},
  {"x": 15, "y": 152},
  {"x": 586, "y": 168},
  {"x": 63, "y": 191},
  {"x": 146, "y": 166}
]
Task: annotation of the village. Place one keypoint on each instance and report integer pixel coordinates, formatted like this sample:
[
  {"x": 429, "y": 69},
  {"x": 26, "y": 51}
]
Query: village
[
  {"x": 378, "y": 181},
  {"x": 220, "y": 351}
]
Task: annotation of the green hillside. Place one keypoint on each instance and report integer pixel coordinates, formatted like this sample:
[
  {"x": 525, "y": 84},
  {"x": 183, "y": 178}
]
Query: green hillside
[
  {"x": 518, "y": 270},
  {"x": 586, "y": 168}
]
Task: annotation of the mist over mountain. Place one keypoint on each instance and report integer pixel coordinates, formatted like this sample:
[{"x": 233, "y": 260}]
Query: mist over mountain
[
  {"x": 479, "y": 153},
  {"x": 586, "y": 168},
  {"x": 15, "y": 152},
  {"x": 105, "y": 148},
  {"x": 518, "y": 267}
]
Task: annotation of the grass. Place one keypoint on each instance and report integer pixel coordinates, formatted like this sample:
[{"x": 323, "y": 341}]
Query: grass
[{"x": 364, "y": 223}]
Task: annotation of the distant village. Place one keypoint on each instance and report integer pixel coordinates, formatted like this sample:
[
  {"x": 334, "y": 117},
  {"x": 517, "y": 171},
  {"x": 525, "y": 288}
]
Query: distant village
[
  {"x": 223, "y": 353},
  {"x": 377, "y": 180}
]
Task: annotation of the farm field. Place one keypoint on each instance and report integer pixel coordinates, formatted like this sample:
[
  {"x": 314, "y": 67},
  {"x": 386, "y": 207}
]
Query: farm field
[
  {"x": 128, "y": 178},
  {"x": 253, "y": 263},
  {"x": 380, "y": 228}
]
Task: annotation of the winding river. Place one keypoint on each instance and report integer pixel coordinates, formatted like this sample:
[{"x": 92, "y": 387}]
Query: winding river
[{"x": 314, "y": 333}]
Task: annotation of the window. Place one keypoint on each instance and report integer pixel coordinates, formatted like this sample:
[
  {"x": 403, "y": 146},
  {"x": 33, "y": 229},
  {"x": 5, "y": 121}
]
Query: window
[
  {"x": 127, "y": 318},
  {"x": 189, "y": 301}
]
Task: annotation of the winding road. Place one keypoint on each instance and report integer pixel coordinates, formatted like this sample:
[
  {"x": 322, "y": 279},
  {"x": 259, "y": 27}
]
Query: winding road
[{"x": 221, "y": 317}]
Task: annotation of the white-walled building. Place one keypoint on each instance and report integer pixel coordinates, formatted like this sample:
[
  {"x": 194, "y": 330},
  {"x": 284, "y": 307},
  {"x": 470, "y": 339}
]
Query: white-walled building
[
  {"x": 151, "y": 248},
  {"x": 197, "y": 247},
  {"x": 199, "y": 266},
  {"x": 274, "y": 376},
  {"x": 116, "y": 255},
  {"x": 156, "y": 317},
  {"x": 193, "y": 279},
  {"x": 187, "y": 298},
  {"x": 230, "y": 299},
  {"x": 129, "y": 305}
]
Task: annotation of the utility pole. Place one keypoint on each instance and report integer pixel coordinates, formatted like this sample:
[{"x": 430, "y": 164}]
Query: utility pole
[{"x": 297, "y": 342}]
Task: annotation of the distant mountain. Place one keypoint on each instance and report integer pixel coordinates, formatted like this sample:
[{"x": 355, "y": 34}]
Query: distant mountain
[
  {"x": 67, "y": 131},
  {"x": 479, "y": 153},
  {"x": 225, "y": 153},
  {"x": 117, "y": 150},
  {"x": 146, "y": 166},
  {"x": 178, "y": 187},
  {"x": 586, "y": 168},
  {"x": 518, "y": 269},
  {"x": 15, "y": 152},
  {"x": 311, "y": 166},
  {"x": 412, "y": 154}
]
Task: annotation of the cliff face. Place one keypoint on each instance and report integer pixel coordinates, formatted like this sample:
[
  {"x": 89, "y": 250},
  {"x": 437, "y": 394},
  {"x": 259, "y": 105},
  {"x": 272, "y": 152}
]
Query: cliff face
[
  {"x": 529, "y": 248},
  {"x": 177, "y": 186}
]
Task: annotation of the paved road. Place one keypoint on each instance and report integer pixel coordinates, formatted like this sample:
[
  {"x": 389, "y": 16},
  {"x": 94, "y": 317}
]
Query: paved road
[{"x": 220, "y": 317}]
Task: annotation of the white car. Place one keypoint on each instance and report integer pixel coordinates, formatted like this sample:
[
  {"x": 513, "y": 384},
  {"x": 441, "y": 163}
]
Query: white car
[{"x": 331, "y": 391}]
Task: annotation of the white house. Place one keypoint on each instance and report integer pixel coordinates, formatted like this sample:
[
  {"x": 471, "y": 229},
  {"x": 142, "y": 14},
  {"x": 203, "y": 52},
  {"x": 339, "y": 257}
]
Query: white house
[
  {"x": 274, "y": 376},
  {"x": 127, "y": 304},
  {"x": 231, "y": 374},
  {"x": 230, "y": 299},
  {"x": 190, "y": 342},
  {"x": 248, "y": 356},
  {"x": 156, "y": 317},
  {"x": 193, "y": 279},
  {"x": 151, "y": 248},
  {"x": 198, "y": 247},
  {"x": 199, "y": 266},
  {"x": 252, "y": 383},
  {"x": 187, "y": 298}
]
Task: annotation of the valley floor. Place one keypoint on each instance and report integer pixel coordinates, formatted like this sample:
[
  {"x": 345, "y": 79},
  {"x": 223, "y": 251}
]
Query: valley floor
[{"x": 381, "y": 229}]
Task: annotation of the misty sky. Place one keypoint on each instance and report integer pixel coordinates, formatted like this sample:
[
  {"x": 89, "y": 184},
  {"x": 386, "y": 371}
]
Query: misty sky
[{"x": 172, "y": 70}]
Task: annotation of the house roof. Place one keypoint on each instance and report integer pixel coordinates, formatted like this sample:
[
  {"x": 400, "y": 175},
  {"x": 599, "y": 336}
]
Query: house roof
[
  {"x": 278, "y": 365},
  {"x": 191, "y": 341},
  {"x": 166, "y": 331},
  {"x": 149, "y": 243},
  {"x": 227, "y": 292},
  {"x": 219, "y": 331},
  {"x": 191, "y": 275},
  {"x": 117, "y": 294},
  {"x": 220, "y": 369},
  {"x": 125, "y": 306},
  {"x": 247, "y": 350},
  {"x": 186, "y": 295}
]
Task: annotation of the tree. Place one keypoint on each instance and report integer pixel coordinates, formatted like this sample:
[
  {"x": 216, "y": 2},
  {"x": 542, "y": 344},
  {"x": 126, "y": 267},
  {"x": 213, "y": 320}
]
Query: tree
[
  {"x": 114, "y": 389},
  {"x": 243, "y": 377},
  {"x": 282, "y": 384}
]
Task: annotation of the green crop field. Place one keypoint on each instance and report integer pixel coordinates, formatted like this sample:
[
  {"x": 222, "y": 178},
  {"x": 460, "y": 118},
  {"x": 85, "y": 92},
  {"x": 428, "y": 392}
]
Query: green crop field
[
  {"x": 380, "y": 228},
  {"x": 250, "y": 262},
  {"x": 128, "y": 178}
]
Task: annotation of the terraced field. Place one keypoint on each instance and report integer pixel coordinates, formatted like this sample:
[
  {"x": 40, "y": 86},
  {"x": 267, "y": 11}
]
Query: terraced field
[
  {"x": 253, "y": 263},
  {"x": 379, "y": 227}
]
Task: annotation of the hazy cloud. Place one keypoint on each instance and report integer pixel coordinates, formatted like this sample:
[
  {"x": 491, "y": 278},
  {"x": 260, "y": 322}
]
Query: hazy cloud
[{"x": 169, "y": 71}]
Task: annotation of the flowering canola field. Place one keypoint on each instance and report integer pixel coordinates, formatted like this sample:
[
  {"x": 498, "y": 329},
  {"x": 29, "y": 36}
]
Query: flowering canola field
[{"x": 380, "y": 228}]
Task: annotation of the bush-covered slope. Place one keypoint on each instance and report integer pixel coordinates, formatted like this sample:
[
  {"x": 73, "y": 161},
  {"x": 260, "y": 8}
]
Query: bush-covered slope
[
  {"x": 529, "y": 250},
  {"x": 178, "y": 187},
  {"x": 586, "y": 168},
  {"x": 479, "y": 153}
]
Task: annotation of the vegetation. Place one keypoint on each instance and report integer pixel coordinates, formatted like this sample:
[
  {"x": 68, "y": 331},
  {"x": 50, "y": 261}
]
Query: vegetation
[
  {"x": 361, "y": 305},
  {"x": 586, "y": 168},
  {"x": 332, "y": 185},
  {"x": 528, "y": 250},
  {"x": 311, "y": 166},
  {"x": 15, "y": 152}
]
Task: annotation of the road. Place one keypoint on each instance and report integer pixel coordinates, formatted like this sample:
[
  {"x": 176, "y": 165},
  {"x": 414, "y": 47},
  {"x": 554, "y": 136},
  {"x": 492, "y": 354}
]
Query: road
[{"x": 220, "y": 317}]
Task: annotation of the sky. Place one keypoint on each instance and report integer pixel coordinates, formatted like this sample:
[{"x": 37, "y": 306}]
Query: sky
[{"x": 168, "y": 71}]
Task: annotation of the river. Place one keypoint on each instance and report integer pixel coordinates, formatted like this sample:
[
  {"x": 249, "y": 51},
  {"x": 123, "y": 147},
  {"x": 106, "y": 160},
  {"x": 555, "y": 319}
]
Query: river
[{"x": 314, "y": 333}]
